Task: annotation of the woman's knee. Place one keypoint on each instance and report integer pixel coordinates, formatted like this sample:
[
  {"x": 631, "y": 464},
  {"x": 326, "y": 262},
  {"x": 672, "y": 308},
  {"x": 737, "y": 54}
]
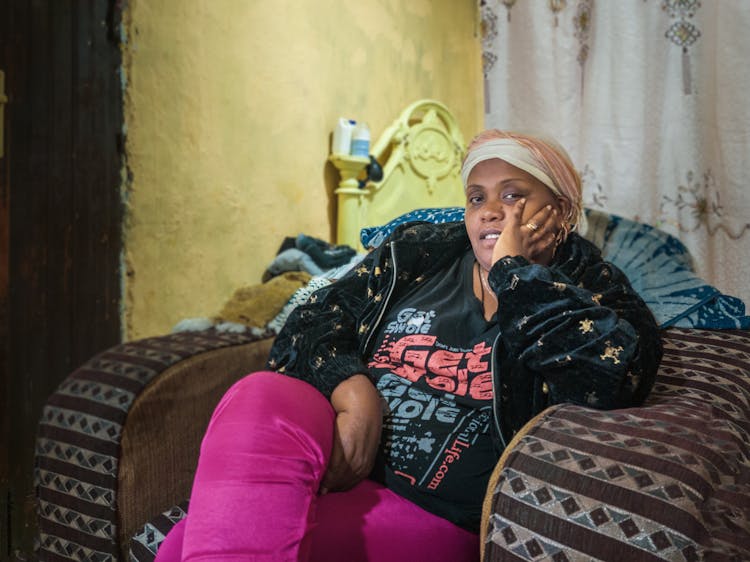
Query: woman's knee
[
  {"x": 267, "y": 394},
  {"x": 267, "y": 407}
]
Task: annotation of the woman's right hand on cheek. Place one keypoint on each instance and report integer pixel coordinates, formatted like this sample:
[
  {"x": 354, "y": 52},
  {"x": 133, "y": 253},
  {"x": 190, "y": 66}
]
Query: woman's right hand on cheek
[{"x": 510, "y": 242}]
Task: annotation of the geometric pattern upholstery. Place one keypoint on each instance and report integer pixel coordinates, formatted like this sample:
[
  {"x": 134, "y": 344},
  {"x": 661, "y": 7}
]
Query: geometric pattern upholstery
[
  {"x": 666, "y": 481},
  {"x": 78, "y": 441},
  {"x": 146, "y": 541}
]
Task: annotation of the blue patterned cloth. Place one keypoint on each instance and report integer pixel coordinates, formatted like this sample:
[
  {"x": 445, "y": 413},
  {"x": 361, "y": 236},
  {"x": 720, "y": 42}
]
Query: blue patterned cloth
[
  {"x": 373, "y": 236},
  {"x": 658, "y": 265}
]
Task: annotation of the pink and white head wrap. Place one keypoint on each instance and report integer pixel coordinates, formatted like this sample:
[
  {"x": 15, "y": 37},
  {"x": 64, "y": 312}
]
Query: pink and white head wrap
[{"x": 543, "y": 158}]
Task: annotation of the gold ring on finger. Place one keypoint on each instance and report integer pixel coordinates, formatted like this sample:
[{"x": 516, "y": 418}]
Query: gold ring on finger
[{"x": 532, "y": 225}]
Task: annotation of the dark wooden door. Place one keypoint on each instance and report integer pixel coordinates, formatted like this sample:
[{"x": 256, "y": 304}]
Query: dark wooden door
[{"x": 60, "y": 221}]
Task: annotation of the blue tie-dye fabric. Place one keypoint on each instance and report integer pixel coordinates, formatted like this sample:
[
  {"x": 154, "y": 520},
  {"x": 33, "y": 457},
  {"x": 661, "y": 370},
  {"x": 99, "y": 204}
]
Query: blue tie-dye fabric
[
  {"x": 373, "y": 236},
  {"x": 658, "y": 265}
]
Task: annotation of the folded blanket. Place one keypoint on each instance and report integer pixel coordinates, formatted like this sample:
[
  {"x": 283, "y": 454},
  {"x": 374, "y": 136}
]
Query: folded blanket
[
  {"x": 250, "y": 307},
  {"x": 308, "y": 254},
  {"x": 325, "y": 255}
]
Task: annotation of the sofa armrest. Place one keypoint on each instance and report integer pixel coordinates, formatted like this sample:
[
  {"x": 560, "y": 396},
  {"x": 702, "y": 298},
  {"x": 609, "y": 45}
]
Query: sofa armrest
[
  {"x": 118, "y": 441},
  {"x": 669, "y": 480}
]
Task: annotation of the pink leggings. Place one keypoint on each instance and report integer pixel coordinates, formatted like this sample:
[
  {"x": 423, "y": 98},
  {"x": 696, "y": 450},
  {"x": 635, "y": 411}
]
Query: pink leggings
[{"x": 255, "y": 491}]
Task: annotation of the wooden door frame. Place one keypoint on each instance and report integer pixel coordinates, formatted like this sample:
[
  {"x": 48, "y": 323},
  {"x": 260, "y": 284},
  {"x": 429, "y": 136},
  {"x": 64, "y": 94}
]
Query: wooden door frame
[{"x": 60, "y": 222}]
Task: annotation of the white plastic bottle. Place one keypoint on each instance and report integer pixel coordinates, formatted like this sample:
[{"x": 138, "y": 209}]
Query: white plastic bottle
[
  {"x": 361, "y": 140},
  {"x": 342, "y": 136}
]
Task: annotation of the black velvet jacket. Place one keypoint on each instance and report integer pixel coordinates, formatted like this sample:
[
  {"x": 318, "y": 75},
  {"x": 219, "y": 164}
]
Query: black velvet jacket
[{"x": 574, "y": 331}]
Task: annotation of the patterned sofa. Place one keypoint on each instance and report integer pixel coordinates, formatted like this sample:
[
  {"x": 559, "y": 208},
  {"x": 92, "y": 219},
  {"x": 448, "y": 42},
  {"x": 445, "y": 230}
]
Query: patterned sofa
[
  {"x": 667, "y": 481},
  {"x": 118, "y": 441}
]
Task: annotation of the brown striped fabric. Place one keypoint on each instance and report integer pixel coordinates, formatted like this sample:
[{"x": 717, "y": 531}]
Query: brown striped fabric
[
  {"x": 666, "y": 481},
  {"x": 77, "y": 453}
]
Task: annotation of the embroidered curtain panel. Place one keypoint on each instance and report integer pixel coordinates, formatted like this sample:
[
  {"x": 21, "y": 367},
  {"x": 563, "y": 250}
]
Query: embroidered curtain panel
[{"x": 651, "y": 99}]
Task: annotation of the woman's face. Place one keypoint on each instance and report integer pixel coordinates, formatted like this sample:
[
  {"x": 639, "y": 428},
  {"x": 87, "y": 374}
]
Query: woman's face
[{"x": 493, "y": 188}]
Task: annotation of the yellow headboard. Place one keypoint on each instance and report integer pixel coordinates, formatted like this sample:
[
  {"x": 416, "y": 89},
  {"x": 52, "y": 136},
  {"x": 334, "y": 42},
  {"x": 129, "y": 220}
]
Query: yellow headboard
[{"x": 421, "y": 155}]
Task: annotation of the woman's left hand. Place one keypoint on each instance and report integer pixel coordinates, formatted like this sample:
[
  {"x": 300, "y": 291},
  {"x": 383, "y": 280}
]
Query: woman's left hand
[
  {"x": 356, "y": 437},
  {"x": 353, "y": 454},
  {"x": 534, "y": 239}
]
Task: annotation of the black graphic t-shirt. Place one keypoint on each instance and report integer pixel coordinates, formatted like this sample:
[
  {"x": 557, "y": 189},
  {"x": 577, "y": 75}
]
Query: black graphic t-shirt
[{"x": 432, "y": 365}]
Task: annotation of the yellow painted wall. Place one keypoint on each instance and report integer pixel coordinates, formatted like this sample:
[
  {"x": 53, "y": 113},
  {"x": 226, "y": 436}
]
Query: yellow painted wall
[{"x": 229, "y": 108}]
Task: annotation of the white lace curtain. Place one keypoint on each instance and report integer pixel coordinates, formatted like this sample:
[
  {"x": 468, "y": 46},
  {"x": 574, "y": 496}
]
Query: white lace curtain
[{"x": 652, "y": 100}]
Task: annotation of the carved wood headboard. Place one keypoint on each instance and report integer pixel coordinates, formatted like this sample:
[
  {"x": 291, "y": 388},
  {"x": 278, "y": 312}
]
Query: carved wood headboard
[{"x": 421, "y": 154}]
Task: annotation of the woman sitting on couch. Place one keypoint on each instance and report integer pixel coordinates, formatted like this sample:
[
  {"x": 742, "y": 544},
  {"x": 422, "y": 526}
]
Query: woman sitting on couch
[{"x": 391, "y": 394}]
